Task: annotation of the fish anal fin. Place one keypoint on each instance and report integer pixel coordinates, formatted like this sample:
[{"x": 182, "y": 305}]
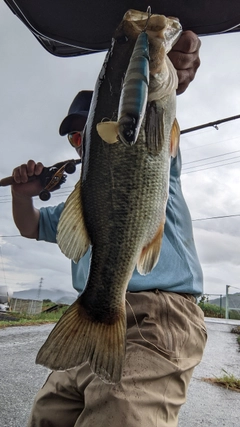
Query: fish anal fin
[
  {"x": 76, "y": 339},
  {"x": 150, "y": 253},
  {"x": 72, "y": 235},
  {"x": 175, "y": 136},
  {"x": 108, "y": 131}
]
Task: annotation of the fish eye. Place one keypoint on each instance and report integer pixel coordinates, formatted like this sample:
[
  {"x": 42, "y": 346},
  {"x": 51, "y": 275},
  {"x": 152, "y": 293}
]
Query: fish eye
[{"x": 129, "y": 134}]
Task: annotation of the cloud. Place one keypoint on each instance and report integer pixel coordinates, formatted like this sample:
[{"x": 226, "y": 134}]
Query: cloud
[{"x": 215, "y": 247}]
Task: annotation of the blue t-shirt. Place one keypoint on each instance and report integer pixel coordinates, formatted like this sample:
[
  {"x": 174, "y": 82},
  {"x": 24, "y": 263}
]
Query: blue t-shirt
[{"x": 178, "y": 268}]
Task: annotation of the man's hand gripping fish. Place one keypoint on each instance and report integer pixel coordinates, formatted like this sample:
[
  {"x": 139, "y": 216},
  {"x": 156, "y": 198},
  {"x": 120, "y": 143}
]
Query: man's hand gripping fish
[{"x": 118, "y": 206}]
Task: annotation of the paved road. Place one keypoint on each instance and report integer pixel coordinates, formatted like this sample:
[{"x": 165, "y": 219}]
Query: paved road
[{"x": 207, "y": 405}]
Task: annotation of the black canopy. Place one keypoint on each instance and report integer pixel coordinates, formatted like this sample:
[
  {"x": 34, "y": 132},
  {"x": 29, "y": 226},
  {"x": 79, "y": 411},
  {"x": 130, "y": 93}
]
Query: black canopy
[{"x": 78, "y": 27}]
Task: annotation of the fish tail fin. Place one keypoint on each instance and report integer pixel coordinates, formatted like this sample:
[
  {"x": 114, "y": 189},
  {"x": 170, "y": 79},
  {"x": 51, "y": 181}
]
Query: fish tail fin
[
  {"x": 77, "y": 338},
  {"x": 108, "y": 131}
]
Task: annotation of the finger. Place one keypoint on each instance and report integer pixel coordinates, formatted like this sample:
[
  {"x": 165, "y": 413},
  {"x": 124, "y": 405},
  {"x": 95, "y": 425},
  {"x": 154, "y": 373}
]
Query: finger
[
  {"x": 185, "y": 53},
  {"x": 182, "y": 87},
  {"x": 187, "y": 43},
  {"x": 185, "y": 77},
  {"x": 16, "y": 175},
  {"x": 38, "y": 168},
  {"x": 31, "y": 167},
  {"x": 183, "y": 61},
  {"x": 22, "y": 173}
]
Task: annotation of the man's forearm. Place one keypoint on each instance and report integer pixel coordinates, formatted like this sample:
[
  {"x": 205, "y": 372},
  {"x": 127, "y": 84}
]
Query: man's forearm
[{"x": 25, "y": 215}]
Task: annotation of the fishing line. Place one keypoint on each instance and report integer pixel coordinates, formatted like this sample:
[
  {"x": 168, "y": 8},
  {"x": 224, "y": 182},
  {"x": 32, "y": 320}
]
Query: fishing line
[
  {"x": 200, "y": 361},
  {"x": 149, "y": 342},
  {"x": 140, "y": 333}
]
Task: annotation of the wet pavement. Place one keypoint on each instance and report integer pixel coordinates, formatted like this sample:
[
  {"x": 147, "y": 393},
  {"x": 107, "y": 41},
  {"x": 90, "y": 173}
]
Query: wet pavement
[{"x": 207, "y": 405}]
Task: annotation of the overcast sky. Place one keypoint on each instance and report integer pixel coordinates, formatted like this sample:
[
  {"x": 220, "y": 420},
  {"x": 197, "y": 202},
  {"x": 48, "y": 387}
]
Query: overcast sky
[{"x": 36, "y": 90}]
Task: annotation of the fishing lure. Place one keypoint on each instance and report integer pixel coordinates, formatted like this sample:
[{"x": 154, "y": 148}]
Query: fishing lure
[{"x": 133, "y": 99}]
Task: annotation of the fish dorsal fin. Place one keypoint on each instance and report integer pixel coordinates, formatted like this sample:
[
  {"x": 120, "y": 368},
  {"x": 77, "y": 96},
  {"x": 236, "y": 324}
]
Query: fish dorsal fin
[
  {"x": 72, "y": 236},
  {"x": 108, "y": 131},
  {"x": 175, "y": 136},
  {"x": 150, "y": 253},
  {"x": 154, "y": 128}
]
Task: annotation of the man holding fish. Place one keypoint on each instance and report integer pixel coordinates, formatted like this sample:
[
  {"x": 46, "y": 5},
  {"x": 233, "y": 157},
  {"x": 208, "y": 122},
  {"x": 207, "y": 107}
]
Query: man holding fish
[{"x": 124, "y": 352}]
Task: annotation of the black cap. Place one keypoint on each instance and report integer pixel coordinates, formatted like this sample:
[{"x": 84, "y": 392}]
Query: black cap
[{"x": 77, "y": 113}]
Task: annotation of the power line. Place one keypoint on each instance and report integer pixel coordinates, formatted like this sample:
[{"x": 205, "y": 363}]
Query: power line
[
  {"x": 196, "y": 147},
  {"x": 212, "y": 157},
  {"x": 12, "y": 235},
  {"x": 185, "y": 171},
  {"x": 54, "y": 194},
  {"x": 210, "y": 167},
  {"x": 210, "y": 164},
  {"x": 216, "y": 217},
  {"x": 193, "y": 220}
]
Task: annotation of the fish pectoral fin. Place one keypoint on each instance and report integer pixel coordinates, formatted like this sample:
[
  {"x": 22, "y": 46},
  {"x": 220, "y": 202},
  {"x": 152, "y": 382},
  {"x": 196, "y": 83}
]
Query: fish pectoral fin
[
  {"x": 77, "y": 338},
  {"x": 72, "y": 235},
  {"x": 154, "y": 128},
  {"x": 175, "y": 137},
  {"x": 150, "y": 253},
  {"x": 108, "y": 131}
]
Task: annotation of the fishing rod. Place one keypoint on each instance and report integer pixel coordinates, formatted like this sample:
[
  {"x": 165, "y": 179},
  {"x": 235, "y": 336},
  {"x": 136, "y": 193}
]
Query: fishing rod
[
  {"x": 54, "y": 176},
  {"x": 213, "y": 124},
  {"x": 51, "y": 177}
]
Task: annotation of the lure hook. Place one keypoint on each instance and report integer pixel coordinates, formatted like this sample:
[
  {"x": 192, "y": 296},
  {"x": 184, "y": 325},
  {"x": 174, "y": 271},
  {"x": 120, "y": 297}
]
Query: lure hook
[{"x": 149, "y": 12}]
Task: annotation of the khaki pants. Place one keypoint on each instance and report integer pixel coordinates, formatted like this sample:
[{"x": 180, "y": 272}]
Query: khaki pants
[{"x": 166, "y": 337}]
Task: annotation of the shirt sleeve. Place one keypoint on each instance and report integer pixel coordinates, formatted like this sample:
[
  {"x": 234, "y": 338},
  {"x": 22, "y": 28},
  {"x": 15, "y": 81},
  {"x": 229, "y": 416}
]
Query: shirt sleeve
[{"x": 48, "y": 222}]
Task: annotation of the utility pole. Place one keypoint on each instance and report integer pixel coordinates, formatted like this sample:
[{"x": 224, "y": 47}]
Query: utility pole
[
  {"x": 39, "y": 288},
  {"x": 227, "y": 303}
]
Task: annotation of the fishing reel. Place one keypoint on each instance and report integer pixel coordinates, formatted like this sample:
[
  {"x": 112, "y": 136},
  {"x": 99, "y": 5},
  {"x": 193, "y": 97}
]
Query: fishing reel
[
  {"x": 54, "y": 176},
  {"x": 51, "y": 177}
]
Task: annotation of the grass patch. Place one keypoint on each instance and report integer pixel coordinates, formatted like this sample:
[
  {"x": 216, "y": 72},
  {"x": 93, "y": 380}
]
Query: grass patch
[
  {"x": 228, "y": 381},
  {"x": 212, "y": 310},
  {"x": 236, "y": 330},
  {"x": 22, "y": 319}
]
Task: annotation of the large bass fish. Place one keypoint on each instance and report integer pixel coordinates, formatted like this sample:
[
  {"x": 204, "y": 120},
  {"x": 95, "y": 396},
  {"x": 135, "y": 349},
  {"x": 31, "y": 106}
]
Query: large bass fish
[{"x": 118, "y": 206}]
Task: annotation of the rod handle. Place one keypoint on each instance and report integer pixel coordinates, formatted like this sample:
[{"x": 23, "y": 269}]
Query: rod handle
[{"x": 6, "y": 181}]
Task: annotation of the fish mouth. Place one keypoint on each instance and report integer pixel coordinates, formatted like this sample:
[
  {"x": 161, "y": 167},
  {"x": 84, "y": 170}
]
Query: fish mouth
[
  {"x": 166, "y": 29},
  {"x": 172, "y": 32}
]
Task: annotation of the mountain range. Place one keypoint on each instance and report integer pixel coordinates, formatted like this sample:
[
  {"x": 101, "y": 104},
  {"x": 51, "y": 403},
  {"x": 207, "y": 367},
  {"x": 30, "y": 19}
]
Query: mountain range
[
  {"x": 233, "y": 301},
  {"x": 55, "y": 295},
  {"x": 66, "y": 297}
]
